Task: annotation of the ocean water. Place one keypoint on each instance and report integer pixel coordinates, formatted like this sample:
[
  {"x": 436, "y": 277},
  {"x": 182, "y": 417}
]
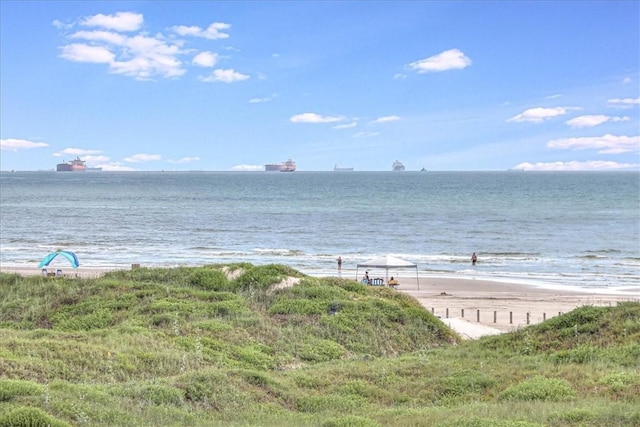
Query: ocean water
[{"x": 566, "y": 228}]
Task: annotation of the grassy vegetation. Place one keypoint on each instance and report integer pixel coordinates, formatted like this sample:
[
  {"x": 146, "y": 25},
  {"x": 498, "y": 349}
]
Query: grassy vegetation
[{"x": 191, "y": 347}]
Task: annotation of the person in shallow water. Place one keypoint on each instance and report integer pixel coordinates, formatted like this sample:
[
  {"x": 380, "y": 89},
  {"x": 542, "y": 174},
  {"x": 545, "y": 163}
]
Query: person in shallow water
[
  {"x": 474, "y": 259},
  {"x": 339, "y": 263}
]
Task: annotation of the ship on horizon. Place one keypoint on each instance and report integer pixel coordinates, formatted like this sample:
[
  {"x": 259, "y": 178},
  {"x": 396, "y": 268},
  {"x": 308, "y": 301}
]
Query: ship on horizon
[
  {"x": 76, "y": 165},
  {"x": 397, "y": 166},
  {"x": 288, "y": 166},
  {"x": 339, "y": 169}
]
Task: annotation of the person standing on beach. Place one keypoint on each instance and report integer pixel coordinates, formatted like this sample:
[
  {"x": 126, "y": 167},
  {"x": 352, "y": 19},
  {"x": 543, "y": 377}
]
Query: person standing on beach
[
  {"x": 474, "y": 259},
  {"x": 339, "y": 264}
]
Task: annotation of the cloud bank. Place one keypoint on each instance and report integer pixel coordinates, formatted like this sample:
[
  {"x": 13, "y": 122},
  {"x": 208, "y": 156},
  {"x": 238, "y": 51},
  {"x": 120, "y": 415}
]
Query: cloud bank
[{"x": 118, "y": 40}]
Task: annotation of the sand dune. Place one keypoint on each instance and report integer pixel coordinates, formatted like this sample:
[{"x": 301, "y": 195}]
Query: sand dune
[{"x": 471, "y": 307}]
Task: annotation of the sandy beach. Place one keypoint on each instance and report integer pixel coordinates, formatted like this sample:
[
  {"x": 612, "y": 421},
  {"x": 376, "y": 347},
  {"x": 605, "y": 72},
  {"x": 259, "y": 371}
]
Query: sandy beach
[
  {"x": 472, "y": 307},
  {"x": 475, "y": 307}
]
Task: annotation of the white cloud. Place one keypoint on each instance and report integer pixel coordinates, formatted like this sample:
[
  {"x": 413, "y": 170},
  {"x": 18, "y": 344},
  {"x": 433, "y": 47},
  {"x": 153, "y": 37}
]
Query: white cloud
[
  {"x": 205, "y": 59},
  {"x": 151, "y": 57},
  {"x": 399, "y": 76},
  {"x": 140, "y": 55},
  {"x": 94, "y": 159},
  {"x": 141, "y": 158},
  {"x": 627, "y": 80},
  {"x": 623, "y": 102},
  {"x": 346, "y": 125},
  {"x": 593, "y": 120},
  {"x": 606, "y": 144},
  {"x": 78, "y": 52},
  {"x": 314, "y": 118},
  {"x": 213, "y": 32},
  {"x": 14, "y": 144},
  {"x": 539, "y": 114},
  {"x": 365, "y": 134},
  {"x": 100, "y": 36},
  {"x": 264, "y": 99},
  {"x": 116, "y": 167},
  {"x": 120, "y": 21},
  {"x": 448, "y": 60},
  {"x": 225, "y": 76},
  {"x": 575, "y": 166},
  {"x": 386, "y": 119},
  {"x": 248, "y": 168},
  {"x": 60, "y": 25},
  {"x": 184, "y": 160}
]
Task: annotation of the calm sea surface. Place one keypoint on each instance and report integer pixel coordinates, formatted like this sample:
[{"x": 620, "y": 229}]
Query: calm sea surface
[{"x": 576, "y": 229}]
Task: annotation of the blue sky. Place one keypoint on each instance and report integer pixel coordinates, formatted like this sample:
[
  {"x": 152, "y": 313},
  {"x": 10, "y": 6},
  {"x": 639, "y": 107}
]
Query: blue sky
[{"x": 160, "y": 85}]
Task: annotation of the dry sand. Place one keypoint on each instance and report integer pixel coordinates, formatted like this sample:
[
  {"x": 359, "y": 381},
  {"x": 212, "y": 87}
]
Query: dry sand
[
  {"x": 472, "y": 307},
  {"x": 475, "y": 307}
]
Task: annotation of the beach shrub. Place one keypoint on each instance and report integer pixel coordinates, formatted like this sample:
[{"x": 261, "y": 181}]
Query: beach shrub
[
  {"x": 579, "y": 416},
  {"x": 319, "y": 350},
  {"x": 304, "y": 307},
  {"x": 253, "y": 356},
  {"x": 256, "y": 378},
  {"x": 10, "y": 389},
  {"x": 68, "y": 320},
  {"x": 330, "y": 403},
  {"x": 209, "y": 279},
  {"x": 539, "y": 388},
  {"x": 261, "y": 278},
  {"x": 584, "y": 353},
  {"x": 162, "y": 395},
  {"x": 30, "y": 417},
  {"x": 463, "y": 383},
  {"x": 621, "y": 380},
  {"x": 581, "y": 320},
  {"x": 487, "y": 422},
  {"x": 350, "y": 421},
  {"x": 215, "y": 390}
]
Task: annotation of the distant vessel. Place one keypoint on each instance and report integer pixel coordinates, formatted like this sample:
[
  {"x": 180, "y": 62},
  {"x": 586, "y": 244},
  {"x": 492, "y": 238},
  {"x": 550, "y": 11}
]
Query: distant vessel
[
  {"x": 288, "y": 166},
  {"x": 94, "y": 169},
  {"x": 272, "y": 167},
  {"x": 397, "y": 166},
  {"x": 76, "y": 165},
  {"x": 338, "y": 169}
]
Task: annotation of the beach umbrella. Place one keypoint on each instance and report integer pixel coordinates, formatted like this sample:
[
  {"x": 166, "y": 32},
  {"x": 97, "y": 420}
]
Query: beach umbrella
[
  {"x": 388, "y": 262},
  {"x": 73, "y": 259}
]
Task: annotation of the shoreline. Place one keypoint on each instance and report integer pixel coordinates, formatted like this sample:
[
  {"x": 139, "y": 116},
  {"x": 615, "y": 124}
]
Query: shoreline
[{"x": 472, "y": 307}]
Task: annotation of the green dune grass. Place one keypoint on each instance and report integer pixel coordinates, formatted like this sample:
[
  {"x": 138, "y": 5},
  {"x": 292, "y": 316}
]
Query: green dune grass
[{"x": 223, "y": 345}]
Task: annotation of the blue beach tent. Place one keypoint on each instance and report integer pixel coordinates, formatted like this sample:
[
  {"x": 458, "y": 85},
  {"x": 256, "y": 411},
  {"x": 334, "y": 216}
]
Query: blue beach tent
[{"x": 73, "y": 259}]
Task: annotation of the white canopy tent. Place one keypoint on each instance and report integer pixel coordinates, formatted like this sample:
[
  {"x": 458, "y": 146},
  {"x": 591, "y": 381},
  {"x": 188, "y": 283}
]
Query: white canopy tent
[{"x": 388, "y": 262}]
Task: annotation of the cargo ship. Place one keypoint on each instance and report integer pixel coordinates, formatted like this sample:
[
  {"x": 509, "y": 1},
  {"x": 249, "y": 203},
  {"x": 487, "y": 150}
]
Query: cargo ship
[
  {"x": 288, "y": 166},
  {"x": 76, "y": 165},
  {"x": 336, "y": 168},
  {"x": 397, "y": 166}
]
